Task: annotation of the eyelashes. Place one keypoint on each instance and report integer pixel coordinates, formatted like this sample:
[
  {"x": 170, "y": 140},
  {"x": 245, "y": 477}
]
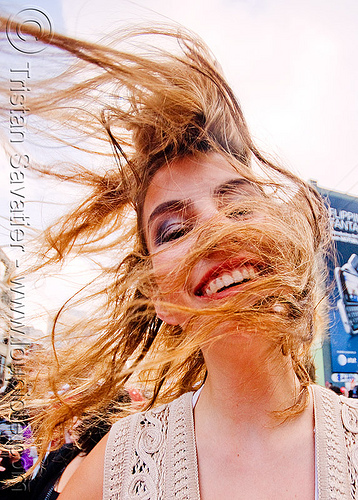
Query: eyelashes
[
  {"x": 241, "y": 214},
  {"x": 176, "y": 224},
  {"x": 171, "y": 231}
]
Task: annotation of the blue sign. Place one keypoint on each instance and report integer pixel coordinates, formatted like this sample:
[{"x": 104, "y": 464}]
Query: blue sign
[{"x": 344, "y": 311}]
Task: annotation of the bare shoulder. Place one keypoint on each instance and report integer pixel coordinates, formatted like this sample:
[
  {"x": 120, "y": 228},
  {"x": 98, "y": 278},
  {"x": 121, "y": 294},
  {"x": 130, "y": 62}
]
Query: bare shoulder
[{"x": 87, "y": 481}]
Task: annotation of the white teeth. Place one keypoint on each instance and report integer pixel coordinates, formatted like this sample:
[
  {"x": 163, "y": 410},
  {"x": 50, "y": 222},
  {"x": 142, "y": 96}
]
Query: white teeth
[
  {"x": 236, "y": 276},
  {"x": 245, "y": 273},
  {"x": 251, "y": 271},
  {"x": 219, "y": 283},
  {"x": 227, "y": 279},
  {"x": 212, "y": 288}
]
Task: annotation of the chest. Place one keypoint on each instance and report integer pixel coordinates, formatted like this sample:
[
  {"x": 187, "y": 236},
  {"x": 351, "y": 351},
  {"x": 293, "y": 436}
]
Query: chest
[{"x": 261, "y": 474}]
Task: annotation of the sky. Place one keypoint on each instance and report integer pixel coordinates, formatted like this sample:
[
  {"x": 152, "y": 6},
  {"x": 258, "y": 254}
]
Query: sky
[{"x": 292, "y": 64}]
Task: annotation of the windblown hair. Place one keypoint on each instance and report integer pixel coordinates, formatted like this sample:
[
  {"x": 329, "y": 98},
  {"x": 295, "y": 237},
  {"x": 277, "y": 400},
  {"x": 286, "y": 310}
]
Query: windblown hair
[{"x": 152, "y": 106}]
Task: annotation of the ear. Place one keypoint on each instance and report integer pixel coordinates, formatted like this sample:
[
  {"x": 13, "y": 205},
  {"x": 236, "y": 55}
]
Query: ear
[{"x": 168, "y": 317}]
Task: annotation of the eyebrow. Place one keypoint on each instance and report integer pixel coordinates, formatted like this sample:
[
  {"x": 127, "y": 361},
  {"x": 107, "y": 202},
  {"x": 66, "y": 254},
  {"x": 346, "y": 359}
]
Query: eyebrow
[{"x": 233, "y": 183}]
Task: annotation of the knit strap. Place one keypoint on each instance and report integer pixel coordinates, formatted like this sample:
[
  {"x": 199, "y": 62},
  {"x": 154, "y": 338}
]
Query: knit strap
[
  {"x": 152, "y": 455},
  {"x": 331, "y": 453}
]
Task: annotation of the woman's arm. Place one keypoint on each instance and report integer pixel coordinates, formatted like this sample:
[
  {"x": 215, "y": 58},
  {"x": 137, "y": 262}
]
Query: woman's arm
[{"x": 87, "y": 481}]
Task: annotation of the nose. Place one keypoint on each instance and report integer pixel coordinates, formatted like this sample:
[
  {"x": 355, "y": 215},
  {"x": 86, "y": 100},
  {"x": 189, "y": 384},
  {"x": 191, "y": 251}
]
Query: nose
[{"x": 208, "y": 209}]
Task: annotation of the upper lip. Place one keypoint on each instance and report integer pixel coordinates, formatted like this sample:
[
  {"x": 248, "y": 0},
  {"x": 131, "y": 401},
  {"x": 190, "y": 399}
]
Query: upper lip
[{"x": 222, "y": 268}]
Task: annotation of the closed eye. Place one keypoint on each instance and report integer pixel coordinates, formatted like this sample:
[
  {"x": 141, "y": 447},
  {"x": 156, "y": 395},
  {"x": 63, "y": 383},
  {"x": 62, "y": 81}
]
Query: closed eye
[{"x": 170, "y": 231}]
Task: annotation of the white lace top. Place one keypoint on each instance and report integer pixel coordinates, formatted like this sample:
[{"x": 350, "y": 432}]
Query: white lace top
[{"x": 152, "y": 455}]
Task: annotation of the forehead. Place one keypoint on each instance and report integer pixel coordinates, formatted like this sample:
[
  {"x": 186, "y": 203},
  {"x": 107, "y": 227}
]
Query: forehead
[{"x": 187, "y": 178}]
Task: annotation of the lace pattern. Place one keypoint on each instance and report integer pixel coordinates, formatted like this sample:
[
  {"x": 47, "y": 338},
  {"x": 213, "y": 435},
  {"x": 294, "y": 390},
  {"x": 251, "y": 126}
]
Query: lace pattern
[
  {"x": 336, "y": 420},
  {"x": 114, "y": 465},
  {"x": 182, "y": 475},
  {"x": 152, "y": 455},
  {"x": 350, "y": 424}
]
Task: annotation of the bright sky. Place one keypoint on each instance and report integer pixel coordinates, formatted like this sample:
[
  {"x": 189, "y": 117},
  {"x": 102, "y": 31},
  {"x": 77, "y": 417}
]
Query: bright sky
[{"x": 292, "y": 63}]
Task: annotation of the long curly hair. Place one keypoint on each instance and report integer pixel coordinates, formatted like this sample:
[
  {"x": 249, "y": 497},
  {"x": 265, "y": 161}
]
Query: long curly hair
[{"x": 152, "y": 96}]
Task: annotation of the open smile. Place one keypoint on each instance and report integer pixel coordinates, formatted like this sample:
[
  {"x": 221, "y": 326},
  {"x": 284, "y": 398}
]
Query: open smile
[{"x": 225, "y": 277}]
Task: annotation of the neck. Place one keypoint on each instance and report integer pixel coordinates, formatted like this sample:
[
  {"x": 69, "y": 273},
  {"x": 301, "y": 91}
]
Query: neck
[{"x": 245, "y": 379}]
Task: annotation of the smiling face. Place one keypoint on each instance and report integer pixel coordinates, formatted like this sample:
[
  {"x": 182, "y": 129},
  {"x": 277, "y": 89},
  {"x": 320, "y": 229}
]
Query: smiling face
[{"x": 181, "y": 197}]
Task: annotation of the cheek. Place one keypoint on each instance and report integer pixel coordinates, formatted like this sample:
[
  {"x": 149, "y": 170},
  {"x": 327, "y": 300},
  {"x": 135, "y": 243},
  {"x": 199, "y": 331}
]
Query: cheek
[
  {"x": 169, "y": 286},
  {"x": 164, "y": 269},
  {"x": 170, "y": 272}
]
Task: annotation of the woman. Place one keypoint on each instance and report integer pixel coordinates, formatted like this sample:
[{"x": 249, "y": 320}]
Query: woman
[{"x": 217, "y": 300}]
